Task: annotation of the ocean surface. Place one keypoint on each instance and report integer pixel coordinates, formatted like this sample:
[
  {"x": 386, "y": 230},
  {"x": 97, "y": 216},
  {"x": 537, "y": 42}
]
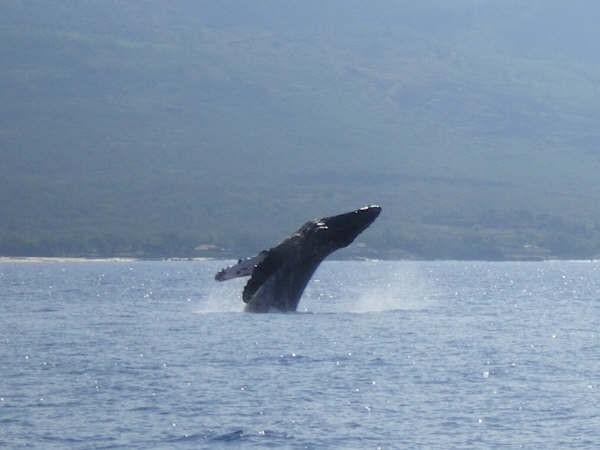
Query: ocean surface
[{"x": 416, "y": 355}]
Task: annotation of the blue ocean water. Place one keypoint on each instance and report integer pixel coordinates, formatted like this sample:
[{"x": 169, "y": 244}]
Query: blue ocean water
[{"x": 432, "y": 355}]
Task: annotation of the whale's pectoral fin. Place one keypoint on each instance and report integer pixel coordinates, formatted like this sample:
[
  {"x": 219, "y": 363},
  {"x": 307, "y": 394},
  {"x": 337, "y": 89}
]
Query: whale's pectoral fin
[
  {"x": 243, "y": 268},
  {"x": 269, "y": 265}
]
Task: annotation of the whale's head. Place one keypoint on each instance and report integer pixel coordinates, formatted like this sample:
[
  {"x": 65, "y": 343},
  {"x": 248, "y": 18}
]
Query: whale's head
[{"x": 339, "y": 231}]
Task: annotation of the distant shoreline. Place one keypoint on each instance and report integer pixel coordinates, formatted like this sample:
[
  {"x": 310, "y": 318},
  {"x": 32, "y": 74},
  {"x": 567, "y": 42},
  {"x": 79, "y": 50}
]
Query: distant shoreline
[{"x": 85, "y": 259}]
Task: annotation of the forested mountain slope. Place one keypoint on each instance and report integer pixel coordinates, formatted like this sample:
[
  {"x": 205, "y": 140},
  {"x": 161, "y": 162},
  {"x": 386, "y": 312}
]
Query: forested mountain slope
[{"x": 152, "y": 128}]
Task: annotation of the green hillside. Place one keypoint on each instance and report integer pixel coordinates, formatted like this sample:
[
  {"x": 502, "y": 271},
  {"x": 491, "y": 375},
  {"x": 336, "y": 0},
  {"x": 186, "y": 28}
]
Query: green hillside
[{"x": 152, "y": 128}]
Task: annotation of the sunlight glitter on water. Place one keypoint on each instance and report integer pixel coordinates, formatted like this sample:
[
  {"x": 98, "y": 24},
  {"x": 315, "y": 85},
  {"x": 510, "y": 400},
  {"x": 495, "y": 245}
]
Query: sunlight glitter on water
[{"x": 437, "y": 358}]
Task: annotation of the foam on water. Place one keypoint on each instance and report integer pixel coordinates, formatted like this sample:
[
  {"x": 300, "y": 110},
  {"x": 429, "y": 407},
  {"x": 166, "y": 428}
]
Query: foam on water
[
  {"x": 380, "y": 287},
  {"x": 388, "y": 298},
  {"x": 408, "y": 290},
  {"x": 222, "y": 298}
]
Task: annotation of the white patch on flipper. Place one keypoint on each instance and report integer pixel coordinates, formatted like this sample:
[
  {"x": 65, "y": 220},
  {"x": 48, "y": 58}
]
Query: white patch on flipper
[{"x": 243, "y": 268}]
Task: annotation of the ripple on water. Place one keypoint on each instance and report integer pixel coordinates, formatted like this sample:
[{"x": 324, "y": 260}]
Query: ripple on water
[{"x": 448, "y": 360}]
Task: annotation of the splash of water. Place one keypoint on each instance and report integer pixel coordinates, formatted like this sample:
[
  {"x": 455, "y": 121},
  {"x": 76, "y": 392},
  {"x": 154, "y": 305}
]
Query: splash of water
[
  {"x": 222, "y": 298},
  {"x": 372, "y": 290},
  {"x": 406, "y": 290}
]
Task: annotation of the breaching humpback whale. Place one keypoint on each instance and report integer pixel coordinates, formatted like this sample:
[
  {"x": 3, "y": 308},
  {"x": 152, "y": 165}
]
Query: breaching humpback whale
[{"x": 279, "y": 275}]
